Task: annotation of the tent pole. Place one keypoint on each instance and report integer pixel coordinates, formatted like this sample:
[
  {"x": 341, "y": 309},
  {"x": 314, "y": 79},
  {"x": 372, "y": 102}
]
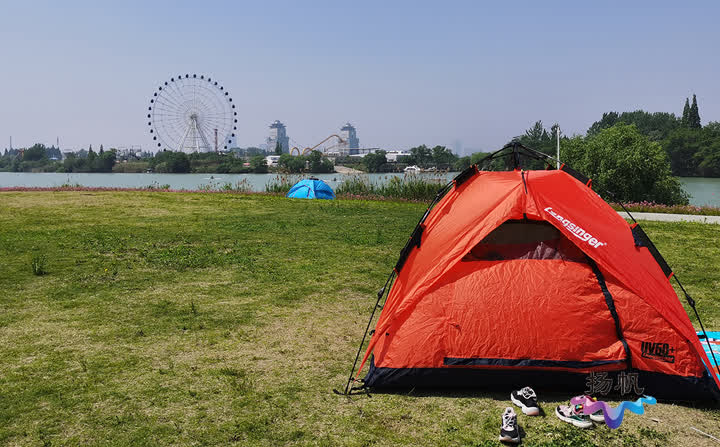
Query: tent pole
[
  {"x": 516, "y": 156},
  {"x": 691, "y": 302},
  {"x": 619, "y": 202},
  {"x": 627, "y": 211},
  {"x": 381, "y": 293}
]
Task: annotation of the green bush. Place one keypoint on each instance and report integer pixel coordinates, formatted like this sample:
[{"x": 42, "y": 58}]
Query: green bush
[
  {"x": 625, "y": 166},
  {"x": 170, "y": 162}
]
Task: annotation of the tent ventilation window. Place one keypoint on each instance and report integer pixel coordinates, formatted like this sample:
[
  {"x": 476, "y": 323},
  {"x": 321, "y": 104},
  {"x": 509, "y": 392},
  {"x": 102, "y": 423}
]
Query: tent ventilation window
[{"x": 524, "y": 239}]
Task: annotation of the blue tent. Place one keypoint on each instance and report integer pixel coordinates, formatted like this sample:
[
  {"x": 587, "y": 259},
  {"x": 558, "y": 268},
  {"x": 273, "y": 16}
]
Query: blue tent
[{"x": 311, "y": 188}]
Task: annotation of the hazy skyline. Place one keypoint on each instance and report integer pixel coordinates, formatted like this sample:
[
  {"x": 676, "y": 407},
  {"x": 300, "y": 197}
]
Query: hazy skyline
[{"x": 404, "y": 73}]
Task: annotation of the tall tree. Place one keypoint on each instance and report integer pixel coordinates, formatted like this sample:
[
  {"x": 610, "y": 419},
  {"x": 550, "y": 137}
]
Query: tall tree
[
  {"x": 694, "y": 115},
  {"x": 35, "y": 153},
  {"x": 374, "y": 161},
  {"x": 608, "y": 120},
  {"x": 421, "y": 156},
  {"x": 443, "y": 157},
  {"x": 622, "y": 160},
  {"x": 91, "y": 158},
  {"x": 682, "y": 146},
  {"x": 686, "y": 114},
  {"x": 278, "y": 148},
  {"x": 537, "y": 132},
  {"x": 258, "y": 164}
]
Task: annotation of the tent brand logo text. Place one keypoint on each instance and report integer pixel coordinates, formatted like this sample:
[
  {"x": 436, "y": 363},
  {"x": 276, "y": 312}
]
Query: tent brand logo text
[
  {"x": 658, "y": 351},
  {"x": 575, "y": 229}
]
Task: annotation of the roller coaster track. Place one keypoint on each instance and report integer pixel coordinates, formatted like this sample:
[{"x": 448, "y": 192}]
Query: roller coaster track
[{"x": 296, "y": 151}]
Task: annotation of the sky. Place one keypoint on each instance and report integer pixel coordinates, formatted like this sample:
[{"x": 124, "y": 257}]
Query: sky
[{"x": 470, "y": 74}]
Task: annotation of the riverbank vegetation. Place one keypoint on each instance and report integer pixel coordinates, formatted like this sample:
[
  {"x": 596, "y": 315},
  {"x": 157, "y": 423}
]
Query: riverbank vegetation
[
  {"x": 406, "y": 187},
  {"x": 227, "y": 319},
  {"x": 315, "y": 162},
  {"x": 358, "y": 186},
  {"x": 692, "y": 149},
  {"x": 415, "y": 188},
  {"x": 39, "y": 158}
]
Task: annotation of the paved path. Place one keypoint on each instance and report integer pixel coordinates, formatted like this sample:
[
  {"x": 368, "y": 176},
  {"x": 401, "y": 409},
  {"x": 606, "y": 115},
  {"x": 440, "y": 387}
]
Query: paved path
[
  {"x": 345, "y": 170},
  {"x": 672, "y": 217}
]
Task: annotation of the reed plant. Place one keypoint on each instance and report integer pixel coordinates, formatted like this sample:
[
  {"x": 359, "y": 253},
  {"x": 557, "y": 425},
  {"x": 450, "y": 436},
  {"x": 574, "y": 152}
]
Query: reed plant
[
  {"x": 281, "y": 184},
  {"x": 357, "y": 185},
  {"x": 242, "y": 186},
  {"x": 407, "y": 187},
  {"x": 413, "y": 187}
]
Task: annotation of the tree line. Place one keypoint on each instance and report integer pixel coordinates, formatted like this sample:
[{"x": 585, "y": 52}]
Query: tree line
[
  {"x": 40, "y": 158},
  {"x": 692, "y": 149},
  {"x": 631, "y": 156},
  {"x": 205, "y": 162},
  {"x": 623, "y": 163},
  {"x": 438, "y": 157}
]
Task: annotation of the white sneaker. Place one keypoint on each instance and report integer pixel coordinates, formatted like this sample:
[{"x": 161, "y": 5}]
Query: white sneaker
[
  {"x": 509, "y": 431},
  {"x": 526, "y": 399}
]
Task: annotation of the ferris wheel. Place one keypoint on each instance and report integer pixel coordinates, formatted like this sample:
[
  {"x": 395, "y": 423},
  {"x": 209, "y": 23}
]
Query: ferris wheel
[{"x": 192, "y": 113}]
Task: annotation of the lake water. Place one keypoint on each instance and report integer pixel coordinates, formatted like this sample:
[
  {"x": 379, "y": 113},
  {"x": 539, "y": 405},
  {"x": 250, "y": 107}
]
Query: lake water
[
  {"x": 703, "y": 191},
  {"x": 256, "y": 182}
]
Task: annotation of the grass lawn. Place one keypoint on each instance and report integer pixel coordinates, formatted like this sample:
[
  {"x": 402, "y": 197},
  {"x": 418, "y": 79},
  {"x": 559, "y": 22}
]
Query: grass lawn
[{"x": 215, "y": 319}]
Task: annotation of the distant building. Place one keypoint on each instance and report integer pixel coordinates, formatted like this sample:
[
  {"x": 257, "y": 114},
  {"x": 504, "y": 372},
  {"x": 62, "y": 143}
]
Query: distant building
[
  {"x": 359, "y": 153},
  {"x": 392, "y": 156},
  {"x": 272, "y": 160},
  {"x": 351, "y": 141},
  {"x": 278, "y": 134}
]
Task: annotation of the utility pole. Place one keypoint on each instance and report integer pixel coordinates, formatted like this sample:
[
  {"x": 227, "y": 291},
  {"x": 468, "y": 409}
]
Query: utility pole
[{"x": 558, "y": 145}]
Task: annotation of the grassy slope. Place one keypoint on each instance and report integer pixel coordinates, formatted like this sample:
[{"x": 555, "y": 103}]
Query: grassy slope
[{"x": 199, "y": 319}]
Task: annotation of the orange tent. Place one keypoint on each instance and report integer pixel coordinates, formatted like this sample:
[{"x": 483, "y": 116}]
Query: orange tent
[{"x": 529, "y": 278}]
